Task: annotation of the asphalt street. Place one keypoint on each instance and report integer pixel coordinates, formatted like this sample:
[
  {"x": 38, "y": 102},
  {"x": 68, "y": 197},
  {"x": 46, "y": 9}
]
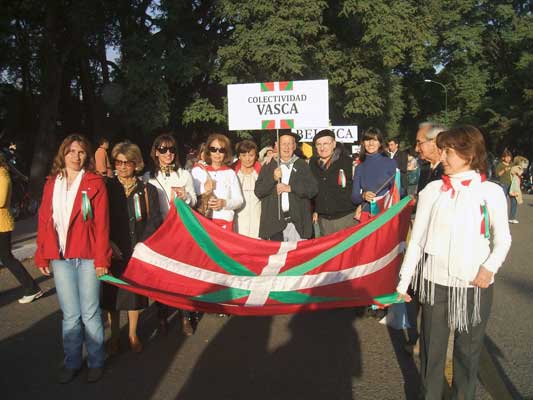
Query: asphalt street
[{"x": 324, "y": 355}]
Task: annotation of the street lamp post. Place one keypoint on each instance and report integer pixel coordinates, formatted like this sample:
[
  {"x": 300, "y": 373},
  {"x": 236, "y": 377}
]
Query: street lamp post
[{"x": 445, "y": 97}]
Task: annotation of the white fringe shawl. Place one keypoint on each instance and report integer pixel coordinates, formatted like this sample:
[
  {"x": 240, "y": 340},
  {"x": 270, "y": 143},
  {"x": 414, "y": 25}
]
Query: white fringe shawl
[{"x": 452, "y": 239}]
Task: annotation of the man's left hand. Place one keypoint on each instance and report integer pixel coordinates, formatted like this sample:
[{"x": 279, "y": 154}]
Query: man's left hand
[{"x": 282, "y": 188}]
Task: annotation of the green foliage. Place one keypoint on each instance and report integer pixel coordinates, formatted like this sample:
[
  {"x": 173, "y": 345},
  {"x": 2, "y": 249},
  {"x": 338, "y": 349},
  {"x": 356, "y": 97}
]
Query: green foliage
[
  {"x": 202, "y": 111},
  {"x": 177, "y": 56}
]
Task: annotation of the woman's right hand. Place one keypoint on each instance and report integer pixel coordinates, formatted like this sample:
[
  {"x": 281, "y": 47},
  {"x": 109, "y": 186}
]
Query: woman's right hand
[
  {"x": 369, "y": 196},
  {"x": 45, "y": 271},
  {"x": 405, "y": 297}
]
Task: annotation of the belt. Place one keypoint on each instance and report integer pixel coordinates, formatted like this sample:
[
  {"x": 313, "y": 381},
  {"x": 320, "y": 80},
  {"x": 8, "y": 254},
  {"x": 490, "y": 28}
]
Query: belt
[{"x": 286, "y": 216}]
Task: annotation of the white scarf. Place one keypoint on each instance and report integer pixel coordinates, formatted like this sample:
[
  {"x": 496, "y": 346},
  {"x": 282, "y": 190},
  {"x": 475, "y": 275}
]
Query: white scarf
[
  {"x": 455, "y": 219},
  {"x": 62, "y": 204},
  {"x": 453, "y": 238}
]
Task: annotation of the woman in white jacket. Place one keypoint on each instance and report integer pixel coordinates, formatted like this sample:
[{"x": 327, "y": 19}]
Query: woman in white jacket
[
  {"x": 217, "y": 183},
  {"x": 171, "y": 181},
  {"x": 247, "y": 169},
  {"x": 450, "y": 263},
  {"x": 168, "y": 177}
]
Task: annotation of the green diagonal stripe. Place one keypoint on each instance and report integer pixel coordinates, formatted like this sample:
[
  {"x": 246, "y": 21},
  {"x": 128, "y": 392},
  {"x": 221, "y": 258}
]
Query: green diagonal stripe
[
  {"x": 349, "y": 241},
  {"x": 390, "y": 298},
  {"x": 222, "y": 296},
  {"x": 111, "y": 278},
  {"x": 295, "y": 297},
  {"x": 197, "y": 231}
]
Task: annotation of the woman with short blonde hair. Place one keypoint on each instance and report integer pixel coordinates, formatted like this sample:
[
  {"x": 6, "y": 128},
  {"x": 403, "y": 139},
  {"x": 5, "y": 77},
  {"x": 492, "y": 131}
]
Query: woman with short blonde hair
[
  {"x": 134, "y": 215},
  {"x": 131, "y": 151}
]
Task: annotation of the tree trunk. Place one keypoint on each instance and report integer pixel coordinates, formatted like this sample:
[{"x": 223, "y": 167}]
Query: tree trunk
[{"x": 54, "y": 55}]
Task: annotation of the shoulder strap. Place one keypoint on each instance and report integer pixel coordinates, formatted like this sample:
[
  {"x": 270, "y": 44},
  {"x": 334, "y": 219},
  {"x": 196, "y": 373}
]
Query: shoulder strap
[{"x": 147, "y": 202}]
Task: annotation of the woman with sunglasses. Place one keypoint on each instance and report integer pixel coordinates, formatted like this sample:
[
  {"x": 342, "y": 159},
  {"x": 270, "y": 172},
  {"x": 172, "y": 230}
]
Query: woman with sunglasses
[
  {"x": 73, "y": 240},
  {"x": 168, "y": 177},
  {"x": 170, "y": 181},
  {"x": 134, "y": 216},
  {"x": 217, "y": 182}
]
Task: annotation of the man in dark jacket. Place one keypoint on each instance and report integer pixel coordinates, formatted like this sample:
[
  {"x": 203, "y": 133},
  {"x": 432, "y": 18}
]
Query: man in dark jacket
[
  {"x": 400, "y": 156},
  {"x": 285, "y": 190},
  {"x": 332, "y": 168},
  {"x": 426, "y": 146}
]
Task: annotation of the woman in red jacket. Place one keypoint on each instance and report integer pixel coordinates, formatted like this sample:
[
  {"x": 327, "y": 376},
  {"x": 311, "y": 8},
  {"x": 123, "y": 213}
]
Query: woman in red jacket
[{"x": 73, "y": 241}]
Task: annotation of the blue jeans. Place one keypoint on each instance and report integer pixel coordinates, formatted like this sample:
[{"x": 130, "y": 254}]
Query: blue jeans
[
  {"x": 78, "y": 291},
  {"x": 514, "y": 206},
  {"x": 512, "y": 200}
]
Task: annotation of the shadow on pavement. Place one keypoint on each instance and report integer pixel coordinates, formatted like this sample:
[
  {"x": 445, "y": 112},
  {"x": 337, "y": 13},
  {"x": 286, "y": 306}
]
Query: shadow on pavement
[
  {"x": 12, "y": 295},
  {"x": 31, "y": 360},
  {"x": 318, "y": 362},
  {"x": 492, "y": 375},
  {"x": 411, "y": 376}
]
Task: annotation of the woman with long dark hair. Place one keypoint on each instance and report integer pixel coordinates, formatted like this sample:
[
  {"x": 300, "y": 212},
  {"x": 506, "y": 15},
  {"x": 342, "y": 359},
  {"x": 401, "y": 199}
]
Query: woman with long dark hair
[
  {"x": 459, "y": 240},
  {"x": 374, "y": 176},
  {"x": 73, "y": 241},
  {"x": 171, "y": 181}
]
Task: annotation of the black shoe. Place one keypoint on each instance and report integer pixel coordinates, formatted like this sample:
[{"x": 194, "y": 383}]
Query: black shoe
[
  {"x": 67, "y": 374},
  {"x": 163, "y": 327},
  {"x": 94, "y": 374},
  {"x": 186, "y": 327}
]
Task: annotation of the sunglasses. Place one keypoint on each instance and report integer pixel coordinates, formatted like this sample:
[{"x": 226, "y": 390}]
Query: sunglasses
[
  {"x": 164, "y": 149},
  {"x": 120, "y": 163},
  {"x": 220, "y": 150}
]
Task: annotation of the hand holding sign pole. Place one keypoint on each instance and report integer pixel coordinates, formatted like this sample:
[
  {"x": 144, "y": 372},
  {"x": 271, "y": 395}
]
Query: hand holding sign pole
[{"x": 278, "y": 105}]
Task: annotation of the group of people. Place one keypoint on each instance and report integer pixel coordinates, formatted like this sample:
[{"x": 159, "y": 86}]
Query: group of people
[{"x": 91, "y": 217}]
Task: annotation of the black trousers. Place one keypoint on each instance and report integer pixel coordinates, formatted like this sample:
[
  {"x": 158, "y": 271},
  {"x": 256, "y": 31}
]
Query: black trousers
[
  {"x": 467, "y": 346},
  {"x": 15, "y": 266}
]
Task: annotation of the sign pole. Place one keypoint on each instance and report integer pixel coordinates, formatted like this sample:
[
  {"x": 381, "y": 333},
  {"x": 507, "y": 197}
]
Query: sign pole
[{"x": 279, "y": 180}]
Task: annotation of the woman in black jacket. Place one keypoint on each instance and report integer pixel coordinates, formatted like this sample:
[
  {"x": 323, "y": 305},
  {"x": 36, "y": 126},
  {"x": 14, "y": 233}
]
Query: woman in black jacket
[{"x": 134, "y": 215}]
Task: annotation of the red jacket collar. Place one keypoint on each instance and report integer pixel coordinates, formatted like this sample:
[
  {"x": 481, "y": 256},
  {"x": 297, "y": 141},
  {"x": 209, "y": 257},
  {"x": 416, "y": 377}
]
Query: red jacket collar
[
  {"x": 211, "y": 169},
  {"x": 238, "y": 166}
]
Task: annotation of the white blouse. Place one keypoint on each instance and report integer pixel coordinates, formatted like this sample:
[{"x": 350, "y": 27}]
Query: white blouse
[
  {"x": 164, "y": 184},
  {"x": 227, "y": 187},
  {"x": 248, "y": 217},
  {"x": 455, "y": 235}
]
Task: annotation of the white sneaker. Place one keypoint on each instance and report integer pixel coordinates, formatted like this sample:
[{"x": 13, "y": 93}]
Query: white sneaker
[
  {"x": 513, "y": 221},
  {"x": 31, "y": 297}
]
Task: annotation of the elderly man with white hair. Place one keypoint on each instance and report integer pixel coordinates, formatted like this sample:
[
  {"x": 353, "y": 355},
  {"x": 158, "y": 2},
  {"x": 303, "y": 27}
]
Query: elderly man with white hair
[{"x": 426, "y": 147}]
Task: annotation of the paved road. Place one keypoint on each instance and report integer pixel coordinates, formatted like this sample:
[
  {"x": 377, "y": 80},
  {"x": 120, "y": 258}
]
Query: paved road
[{"x": 323, "y": 355}]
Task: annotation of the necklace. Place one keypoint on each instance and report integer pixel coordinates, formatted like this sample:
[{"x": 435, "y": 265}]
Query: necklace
[{"x": 128, "y": 184}]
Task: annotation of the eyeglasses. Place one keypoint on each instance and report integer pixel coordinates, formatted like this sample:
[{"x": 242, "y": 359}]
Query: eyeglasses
[
  {"x": 164, "y": 149},
  {"x": 120, "y": 163},
  {"x": 418, "y": 143},
  {"x": 220, "y": 150}
]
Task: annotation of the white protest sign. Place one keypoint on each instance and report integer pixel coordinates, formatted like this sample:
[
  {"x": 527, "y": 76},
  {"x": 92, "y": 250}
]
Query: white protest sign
[
  {"x": 278, "y": 105},
  {"x": 343, "y": 134}
]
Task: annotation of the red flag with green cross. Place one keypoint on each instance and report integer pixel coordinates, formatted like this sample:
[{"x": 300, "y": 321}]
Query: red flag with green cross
[{"x": 193, "y": 264}]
